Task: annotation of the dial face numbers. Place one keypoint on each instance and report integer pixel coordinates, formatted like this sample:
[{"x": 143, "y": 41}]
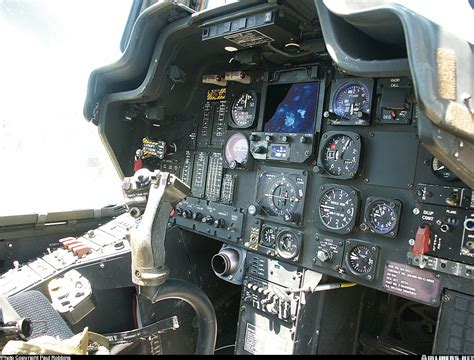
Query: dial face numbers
[
  {"x": 337, "y": 210},
  {"x": 282, "y": 196},
  {"x": 361, "y": 260},
  {"x": 268, "y": 237},
  {"x": 382, "y": 218},
  {"x": 351, "y": 100},
  {"x": 236, "y": 150},
  {"x": 441, "y": 171},
  {"x": 287, "y": 245},
  {"x": 243, "y": 110},
  {"x": 340, "y": 156}
]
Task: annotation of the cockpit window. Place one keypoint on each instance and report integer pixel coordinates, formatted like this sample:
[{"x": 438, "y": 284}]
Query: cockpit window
[{"x": 51, "y": 159}]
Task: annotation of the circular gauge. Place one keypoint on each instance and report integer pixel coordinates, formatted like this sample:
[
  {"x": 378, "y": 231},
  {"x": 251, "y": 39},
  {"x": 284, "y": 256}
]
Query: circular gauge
[
  {"x": 243, "y": 110},
  {"x": 361, "y": 259},
  {"x": 351, "y": 100},
  {"x": 268, "y": 237},
  {"x": 236, "y": 150},
  {"x": 340, "y": 155},
  {"x": 282, "y": 196},
  {"x": 441, "y": 171},
  {"x": 337, "y": 210},
  {"x": 382, "y": 218},
  {"x": 288, "y": 245}
]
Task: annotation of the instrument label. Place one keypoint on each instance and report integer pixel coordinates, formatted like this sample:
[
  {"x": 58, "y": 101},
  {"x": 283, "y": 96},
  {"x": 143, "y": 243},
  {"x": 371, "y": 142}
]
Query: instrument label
[{"x": 412, "y": 283}]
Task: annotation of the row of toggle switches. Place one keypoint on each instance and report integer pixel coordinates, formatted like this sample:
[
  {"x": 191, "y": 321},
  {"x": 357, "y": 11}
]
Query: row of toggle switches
[{"x": 264, "y": 299}]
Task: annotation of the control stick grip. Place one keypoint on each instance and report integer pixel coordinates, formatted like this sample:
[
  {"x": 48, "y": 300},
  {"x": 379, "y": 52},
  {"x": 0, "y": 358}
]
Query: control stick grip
[{"x": 148, "y": 239}]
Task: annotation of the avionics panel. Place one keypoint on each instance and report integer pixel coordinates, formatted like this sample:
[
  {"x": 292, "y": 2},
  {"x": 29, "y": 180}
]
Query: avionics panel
[{"x": 289, "y": 115}]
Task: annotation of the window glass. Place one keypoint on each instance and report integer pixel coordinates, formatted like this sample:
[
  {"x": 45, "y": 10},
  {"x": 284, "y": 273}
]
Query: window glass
[{"x": 51, "y": 158}]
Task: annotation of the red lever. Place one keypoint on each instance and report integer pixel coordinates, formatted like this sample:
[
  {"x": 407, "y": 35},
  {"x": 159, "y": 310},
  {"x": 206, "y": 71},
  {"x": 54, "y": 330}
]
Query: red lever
[
  {"x": 422, "y": 240},
  {"x": 137, "y": 165}
]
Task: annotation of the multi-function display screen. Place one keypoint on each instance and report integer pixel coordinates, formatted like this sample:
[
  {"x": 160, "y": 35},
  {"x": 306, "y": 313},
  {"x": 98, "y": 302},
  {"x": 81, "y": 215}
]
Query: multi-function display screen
[{"x": 291, "y": 108}]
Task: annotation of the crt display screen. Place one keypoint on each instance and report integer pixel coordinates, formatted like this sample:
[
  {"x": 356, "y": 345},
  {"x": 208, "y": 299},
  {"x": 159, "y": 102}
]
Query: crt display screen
[{"x": 291, "y": 108}]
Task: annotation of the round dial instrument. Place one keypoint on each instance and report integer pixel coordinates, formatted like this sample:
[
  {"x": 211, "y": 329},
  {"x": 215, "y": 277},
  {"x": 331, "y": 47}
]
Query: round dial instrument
[
  {"x": 236, "y": 150},
  {"x": 382, "y": 217},
  {"x": 288, "y": 245},
  {"x": 337, "y": 209},
  {"x": 282, "y": 196},
  {"x": 361, "y": 259},
  {"x": 340, "y": 155},
  {"x": 243, "y": 110},
  {"x": 268, "y": 236},
  {"x": 351, "y": 100},
  {"x": 441, "y": 171}
]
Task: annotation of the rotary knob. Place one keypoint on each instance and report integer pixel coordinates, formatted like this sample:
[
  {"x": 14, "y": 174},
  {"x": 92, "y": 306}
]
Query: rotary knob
[
  {"x": 323, "y": 255},
  {"x": 197, "y": 216},
  {"x": 208, "y": 219},
  {"x": 187, "y": 214}
]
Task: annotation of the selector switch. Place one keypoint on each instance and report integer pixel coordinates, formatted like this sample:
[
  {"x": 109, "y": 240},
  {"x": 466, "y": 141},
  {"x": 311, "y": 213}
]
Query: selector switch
[
  {"x": 208, "y": 219},
  {"x": 197, "y": 216},
  {"x": 259, "y": 149},
  {"x": 187, "y": 214},
  {"x": 323, "y": 255},
  {"x": 219, "y": 223}
]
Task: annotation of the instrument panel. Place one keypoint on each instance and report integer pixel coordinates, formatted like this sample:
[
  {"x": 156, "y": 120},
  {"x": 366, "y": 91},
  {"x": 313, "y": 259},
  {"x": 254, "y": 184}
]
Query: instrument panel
[{"x": 325, "y": 171}]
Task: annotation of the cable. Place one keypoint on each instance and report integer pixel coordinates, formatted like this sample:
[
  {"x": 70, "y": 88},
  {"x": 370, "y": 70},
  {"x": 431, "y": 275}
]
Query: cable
[
  {"x": 323, "y": 287},
  {"x": 224, "y": 347},
  {"x": 282, "y": 53}
]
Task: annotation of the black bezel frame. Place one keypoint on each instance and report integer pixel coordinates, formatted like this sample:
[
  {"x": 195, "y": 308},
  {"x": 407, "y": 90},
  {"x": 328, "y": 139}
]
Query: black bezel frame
[
  {"x": 294, "y": 79},
  {"x": 354, "y": 193},
  {"x": 235, "y": 94},
  {"x": 336, "y": 120},
  {"x": 351, "y": 244},
  {"x": 397, "y": 206},
  {"x": 322, "y": 145}
]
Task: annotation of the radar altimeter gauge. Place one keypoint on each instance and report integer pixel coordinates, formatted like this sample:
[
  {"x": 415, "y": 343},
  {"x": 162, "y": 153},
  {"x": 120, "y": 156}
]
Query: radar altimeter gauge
[{"x": 243, "y": 110}]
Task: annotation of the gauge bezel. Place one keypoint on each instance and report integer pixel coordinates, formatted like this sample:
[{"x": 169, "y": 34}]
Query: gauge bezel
[
  {"x": 242, "y": 166},
  {"x": 374, "y": 249},
  {"x": 354, "y": 196},
  {"x": 275, "y": 231},
  {"x": 234, "y": 99},
  {"x": 396, "y": 206},
  {"x": 298, "y": 238},
  {"x": 336, "y": 86},
  {"x": 452, "y": 176},
  {"x": 267, "y": 176},
  {"x": 325, "y": 139}
]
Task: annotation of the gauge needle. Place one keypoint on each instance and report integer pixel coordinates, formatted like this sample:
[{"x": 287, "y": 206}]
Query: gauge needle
[
  {"x": 441, "y": 167},
  {"x": 327, "y": 207},
  {"x": 346, "y": 145},
  {"x": 276, "y": 196}
]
